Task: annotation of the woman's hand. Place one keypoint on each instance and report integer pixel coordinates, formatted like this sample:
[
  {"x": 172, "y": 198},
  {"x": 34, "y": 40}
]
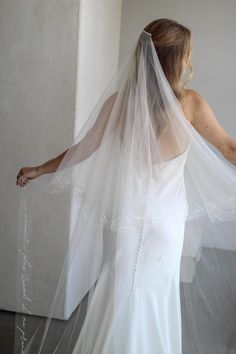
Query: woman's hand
[{"x": 27, "y": 173}]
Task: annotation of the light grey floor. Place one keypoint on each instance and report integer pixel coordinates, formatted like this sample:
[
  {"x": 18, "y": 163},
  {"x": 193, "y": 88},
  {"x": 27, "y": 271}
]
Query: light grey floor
[
  {"x": 216, "y": 337},
  {"x": 211, "y": 298}
]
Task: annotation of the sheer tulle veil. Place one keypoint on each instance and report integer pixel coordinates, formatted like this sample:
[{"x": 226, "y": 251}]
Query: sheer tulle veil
[{"x": 101, "y": 186}]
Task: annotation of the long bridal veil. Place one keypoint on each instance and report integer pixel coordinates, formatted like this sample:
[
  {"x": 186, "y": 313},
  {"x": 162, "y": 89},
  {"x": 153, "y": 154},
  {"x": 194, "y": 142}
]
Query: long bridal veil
[{"x": 101, "y": 187}]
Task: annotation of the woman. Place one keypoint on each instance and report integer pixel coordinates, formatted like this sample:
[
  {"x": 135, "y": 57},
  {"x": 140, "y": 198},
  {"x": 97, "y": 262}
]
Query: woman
[
  {"x": 170, "y": 38},
  {"x": 135, "y": 305}
]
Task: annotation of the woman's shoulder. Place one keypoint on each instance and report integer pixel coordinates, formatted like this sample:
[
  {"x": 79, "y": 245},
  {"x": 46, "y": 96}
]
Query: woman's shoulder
[
  {"x": 191, "y": 102},
  {"x": 192, "y": 96},
  {"x": 194, "y": 99}
]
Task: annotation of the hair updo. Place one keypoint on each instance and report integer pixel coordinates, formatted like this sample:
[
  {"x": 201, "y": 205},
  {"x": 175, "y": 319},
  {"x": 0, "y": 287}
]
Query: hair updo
[{"x": 173, "y": 44}]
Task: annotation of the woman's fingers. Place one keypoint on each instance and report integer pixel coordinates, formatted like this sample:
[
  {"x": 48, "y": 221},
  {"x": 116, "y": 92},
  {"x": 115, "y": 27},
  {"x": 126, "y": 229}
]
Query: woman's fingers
[
  {"x": 19, "y": 177},
  {"x": 21, "y": 181},
  {"x": 25, "y": 174},
  {"x": 22, "y": 178}
]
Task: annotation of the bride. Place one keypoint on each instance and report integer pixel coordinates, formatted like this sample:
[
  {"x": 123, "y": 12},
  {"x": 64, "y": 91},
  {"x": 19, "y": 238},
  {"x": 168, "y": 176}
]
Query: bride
[
  {"x": 134, "y": 168},
  {"x": 173, "y": 43}
]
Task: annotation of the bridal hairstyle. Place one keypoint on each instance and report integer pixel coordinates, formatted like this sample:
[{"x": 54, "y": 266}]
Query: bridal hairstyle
[{"x": 173, "y": 44}]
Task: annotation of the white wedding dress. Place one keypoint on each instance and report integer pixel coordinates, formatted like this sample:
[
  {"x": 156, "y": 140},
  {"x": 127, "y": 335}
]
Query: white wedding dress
[{"x": 153, "y": 264}]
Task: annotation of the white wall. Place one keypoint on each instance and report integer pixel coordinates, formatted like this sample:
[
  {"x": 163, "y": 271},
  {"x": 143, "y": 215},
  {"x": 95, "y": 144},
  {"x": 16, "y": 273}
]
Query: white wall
[
  {"x": 38, "y": 58},
  {"x": 98, "y": 52},
  {"x": 56, "y": 58}
]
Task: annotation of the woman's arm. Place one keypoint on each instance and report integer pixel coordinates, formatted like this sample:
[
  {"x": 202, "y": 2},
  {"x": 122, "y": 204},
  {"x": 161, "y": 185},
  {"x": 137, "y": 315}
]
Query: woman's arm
[
  {"x": 51, "y": 165},
  {"x": 84, "y": 148},
  {"x": 205, "y": 122},
  {"x": 77, "y": 153},
  {"x": 27, "y": 173}
]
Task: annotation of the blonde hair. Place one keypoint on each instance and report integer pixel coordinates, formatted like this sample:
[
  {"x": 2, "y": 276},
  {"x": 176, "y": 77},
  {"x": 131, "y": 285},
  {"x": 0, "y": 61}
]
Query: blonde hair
[{"x": 172, "y": 42}]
